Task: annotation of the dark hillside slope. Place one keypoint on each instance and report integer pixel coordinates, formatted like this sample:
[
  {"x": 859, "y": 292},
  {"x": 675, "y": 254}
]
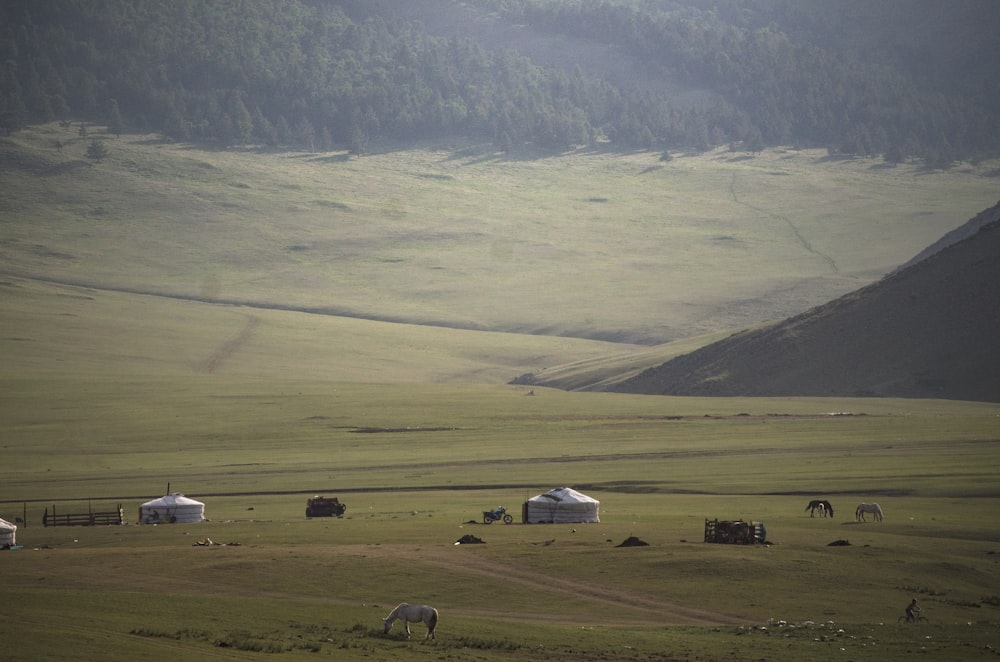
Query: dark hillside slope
[
  {"x": 964, "y": 231},
  {"x": 927, "y": 331}
]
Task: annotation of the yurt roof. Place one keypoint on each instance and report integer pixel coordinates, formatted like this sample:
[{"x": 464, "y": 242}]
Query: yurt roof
[
  {"x": 564, "y": 494},
  {"x": 6, "y": 526},
  {"x": 172, "y": 501}
]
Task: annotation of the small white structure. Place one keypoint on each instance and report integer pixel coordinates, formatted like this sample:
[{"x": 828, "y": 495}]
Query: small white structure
[
  {"x": 562, "y": 505},
  {"x": 8, "y": 533},
  {"x": 171, "y": 508}
]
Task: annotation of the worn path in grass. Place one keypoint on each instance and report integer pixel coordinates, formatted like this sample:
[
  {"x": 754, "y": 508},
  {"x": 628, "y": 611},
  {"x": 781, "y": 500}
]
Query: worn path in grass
[
  {"x": 660, "y": 612},
  {"x": 226, "y": 350},
  {"x": 617, "y": 605}
]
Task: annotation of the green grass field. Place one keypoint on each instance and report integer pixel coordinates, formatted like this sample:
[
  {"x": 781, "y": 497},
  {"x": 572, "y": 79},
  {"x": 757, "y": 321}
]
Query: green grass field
[
  {"x": 113, "y": 393},
  {"x": 417, "y": 463},
  {"x": 599, "y": 245},
  {"x": 286, "y": 584}
]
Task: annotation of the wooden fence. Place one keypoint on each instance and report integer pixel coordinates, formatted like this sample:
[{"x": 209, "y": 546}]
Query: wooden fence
[{"x": 92, "y": 518}]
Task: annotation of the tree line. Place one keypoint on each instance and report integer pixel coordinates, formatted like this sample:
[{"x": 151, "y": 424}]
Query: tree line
[
  {"x": 323, "y": 74},
  {"x": 893, "y": 79}
]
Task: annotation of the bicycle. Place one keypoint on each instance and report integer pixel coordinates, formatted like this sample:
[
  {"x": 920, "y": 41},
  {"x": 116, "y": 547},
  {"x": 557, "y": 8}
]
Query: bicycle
[{"x": 917, "y": 618}]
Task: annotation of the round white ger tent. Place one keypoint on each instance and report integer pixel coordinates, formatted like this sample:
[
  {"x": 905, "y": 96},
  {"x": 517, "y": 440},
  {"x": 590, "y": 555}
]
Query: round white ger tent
[
  {"x": 562, "y": 505},
  {"x": 171, "y": 508},
  {"x": 8, "y": 534}
]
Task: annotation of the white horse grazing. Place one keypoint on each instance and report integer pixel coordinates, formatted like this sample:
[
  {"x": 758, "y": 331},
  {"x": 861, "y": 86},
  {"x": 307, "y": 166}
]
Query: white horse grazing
[
  {"x": 415, "y": 613},
  {"x": 873, "y": 508}
]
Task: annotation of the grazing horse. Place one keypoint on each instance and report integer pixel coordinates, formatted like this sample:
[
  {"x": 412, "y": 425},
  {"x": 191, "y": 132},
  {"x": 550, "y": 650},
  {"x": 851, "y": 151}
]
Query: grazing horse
[
  {"x": 407, "y": 612},
  {"x": 822, "y": 505},
  {"x": 873, "y": 508}
]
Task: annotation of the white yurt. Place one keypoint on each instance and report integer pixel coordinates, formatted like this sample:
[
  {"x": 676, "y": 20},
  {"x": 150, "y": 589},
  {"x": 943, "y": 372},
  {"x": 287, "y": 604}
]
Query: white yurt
[
  {"x": 8, "y": 534},
  {"x": 563, "y": 505},
  {"x": 171, "y": 508}
]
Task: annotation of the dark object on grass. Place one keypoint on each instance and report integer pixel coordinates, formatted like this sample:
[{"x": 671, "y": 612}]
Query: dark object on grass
[
  {"x": 738, "y": 532},
  {"x": 632, "y": 541},
  {"x": 469, "y": 539},
  {"x": 840, "y": 543},
  {"x": 324, "y": 507}
]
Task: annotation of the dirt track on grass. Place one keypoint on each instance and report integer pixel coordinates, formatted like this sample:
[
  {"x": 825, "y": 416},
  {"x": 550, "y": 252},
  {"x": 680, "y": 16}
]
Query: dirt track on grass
[
  {"x": 227, "y": 349},
  {"x": 635, "y": 609},
  {"x": 615, "y": 605}
]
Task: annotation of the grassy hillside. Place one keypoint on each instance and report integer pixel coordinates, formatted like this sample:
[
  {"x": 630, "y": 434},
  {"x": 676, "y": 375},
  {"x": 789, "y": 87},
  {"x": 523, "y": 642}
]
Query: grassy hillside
[
  {"x": 74, "y": 332},
  {"x": 160, "y": 331},
  {"x": 928, "y": 330},
  {"x": 605, "y": 246},
  {"x": 113, "y": 398}
]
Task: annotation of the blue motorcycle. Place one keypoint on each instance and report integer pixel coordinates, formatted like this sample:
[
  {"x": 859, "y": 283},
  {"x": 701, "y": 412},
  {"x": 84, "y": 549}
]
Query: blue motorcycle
[{"x": 490, "y": 516}]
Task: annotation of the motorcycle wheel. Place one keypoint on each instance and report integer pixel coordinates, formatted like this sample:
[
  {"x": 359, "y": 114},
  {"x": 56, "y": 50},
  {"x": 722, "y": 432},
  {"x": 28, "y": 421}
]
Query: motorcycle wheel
[{"x": 508, "y": 519}]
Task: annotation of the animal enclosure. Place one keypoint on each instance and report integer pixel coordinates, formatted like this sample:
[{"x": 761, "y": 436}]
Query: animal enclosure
[
  {"x": 90, "y": 518},
  {"x": 735, "y": 533}
]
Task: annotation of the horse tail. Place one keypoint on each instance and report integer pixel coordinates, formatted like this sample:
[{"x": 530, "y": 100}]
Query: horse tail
[{"x": 432, "y": 622}]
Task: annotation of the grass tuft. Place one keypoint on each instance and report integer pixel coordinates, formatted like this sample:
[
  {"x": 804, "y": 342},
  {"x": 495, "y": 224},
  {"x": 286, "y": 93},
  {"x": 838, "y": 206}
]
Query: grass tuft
[
  {"x": 486, "y": 644},
  {"x": 245, "y": 641}
]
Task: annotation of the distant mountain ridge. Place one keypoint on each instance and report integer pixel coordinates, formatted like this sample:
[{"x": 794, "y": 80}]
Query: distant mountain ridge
[{"x": 929, "y": 330}]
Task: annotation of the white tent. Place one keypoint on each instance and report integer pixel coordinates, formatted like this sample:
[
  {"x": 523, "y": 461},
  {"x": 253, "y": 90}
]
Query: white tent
[
  {"x": 560, "y": 506},
  {"x": 171, "y": 508},
  {"x": 8, "y": 533}
]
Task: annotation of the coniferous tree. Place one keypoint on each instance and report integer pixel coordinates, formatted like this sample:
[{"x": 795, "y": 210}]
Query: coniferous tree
[
  {"x": 193, "y": 69},
  {"x": 97, "y": 150},
  {"x": 13, "y": 112},
  {"x": 305, "y": 134},
  {"x": 114, "y": 120},
  {"x": 263, "y": 129},
  {"x": 241, "y": 124}
]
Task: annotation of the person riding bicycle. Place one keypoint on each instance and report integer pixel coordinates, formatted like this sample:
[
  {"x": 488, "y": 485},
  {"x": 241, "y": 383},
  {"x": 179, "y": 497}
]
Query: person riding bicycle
[{"x": 912, "y": 611}]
